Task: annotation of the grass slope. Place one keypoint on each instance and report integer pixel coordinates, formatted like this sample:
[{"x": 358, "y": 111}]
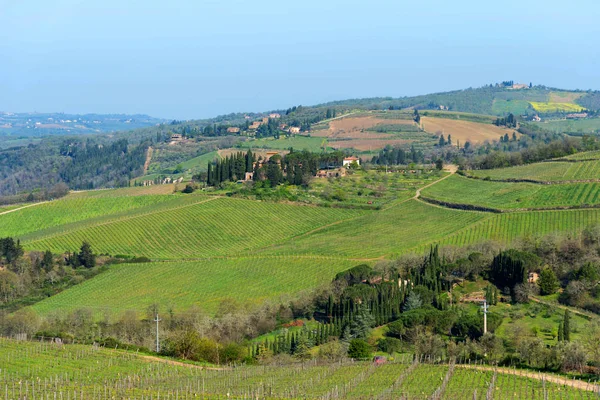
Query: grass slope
[
  {"x": 546, "y": 171},
  {"x": 384, "y": 233},
  {"x": 507, "y": 196},
  {"x": 199, "y": 283},
  {"x": 71, "y": 209}
]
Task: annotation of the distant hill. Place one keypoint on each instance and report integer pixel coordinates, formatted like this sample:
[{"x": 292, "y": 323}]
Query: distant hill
[{"x": 43, "y": 124}]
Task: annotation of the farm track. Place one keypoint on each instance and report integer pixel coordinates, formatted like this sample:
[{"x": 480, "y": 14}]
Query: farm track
[
  {"x": 180, "y": 364},
  {"x": 21, "y": 208},
  {"x": 587, "y": 315},
  {"x": 540, "y": 376},
  {"x": 148, "y": 159}
]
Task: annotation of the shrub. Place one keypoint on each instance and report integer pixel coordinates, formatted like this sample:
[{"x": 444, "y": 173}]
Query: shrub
[{"x": 359, "y": 349}]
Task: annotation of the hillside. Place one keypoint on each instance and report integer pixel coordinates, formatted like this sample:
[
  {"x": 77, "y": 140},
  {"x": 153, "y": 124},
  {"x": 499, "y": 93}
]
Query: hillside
[{"x": 204, "y": 236}]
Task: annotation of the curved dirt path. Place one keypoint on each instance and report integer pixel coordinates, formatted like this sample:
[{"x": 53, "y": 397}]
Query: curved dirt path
[
  {"x": 179, "y": 363},
  {"x": 582, "y": 385},
  {"x": 449, "y": 168}
]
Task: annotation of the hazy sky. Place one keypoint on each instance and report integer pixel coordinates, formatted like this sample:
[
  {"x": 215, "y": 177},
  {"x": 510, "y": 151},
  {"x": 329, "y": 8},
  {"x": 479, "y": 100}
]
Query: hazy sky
[{"x": 200, "y": 58}]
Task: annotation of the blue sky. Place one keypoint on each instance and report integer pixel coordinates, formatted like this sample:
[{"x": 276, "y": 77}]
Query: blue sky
[{"x": 194, "y": 59}]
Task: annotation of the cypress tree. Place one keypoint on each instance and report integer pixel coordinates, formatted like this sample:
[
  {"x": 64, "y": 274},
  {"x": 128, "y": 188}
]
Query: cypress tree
[{"x": 567, "y": 326}]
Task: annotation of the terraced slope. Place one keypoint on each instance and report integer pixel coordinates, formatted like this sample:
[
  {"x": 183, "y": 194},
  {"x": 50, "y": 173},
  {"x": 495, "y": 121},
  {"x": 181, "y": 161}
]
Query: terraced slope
[{"x": 511, "y": 196}]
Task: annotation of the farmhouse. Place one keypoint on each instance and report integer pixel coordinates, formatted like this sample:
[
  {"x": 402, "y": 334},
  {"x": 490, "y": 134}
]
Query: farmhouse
[
  {"x": 255, "y": 125},
  {"x": 331, "y": 173},
  {"x": 520, "y": 86},
  {"x": 533, "y": 277},
  {"x": 349, "y": 160},
  {"x": 577, "y": 115},
  {"x": 294, "y": 130},
  {"x": 274, "y": 116},
  {"x": 265, "y": 120},
  {"x": 233, "y": 129}
]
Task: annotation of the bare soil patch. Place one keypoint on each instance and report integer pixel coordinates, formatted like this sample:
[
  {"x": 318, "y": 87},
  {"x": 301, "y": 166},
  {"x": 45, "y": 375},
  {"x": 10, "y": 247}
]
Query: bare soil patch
[
  {"x": 465, "y": 130},
  {"x": 227, "y": 152},
  {"x": 367, "y": 144},
  {"x": 357, "y": 128}
]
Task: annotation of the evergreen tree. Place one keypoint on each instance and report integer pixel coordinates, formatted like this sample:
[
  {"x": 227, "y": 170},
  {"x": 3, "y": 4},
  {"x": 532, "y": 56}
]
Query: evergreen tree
[
  {"x": 48, "y": 261},
  {"x": 86, "y": 257},
  {"x": 561, "y": 332},
  {"x": 441, "y": 142},
  {"x": 567, "y": 326},
  {"x": 413, "y": 301},
  {"x": 548, "y": 282}
]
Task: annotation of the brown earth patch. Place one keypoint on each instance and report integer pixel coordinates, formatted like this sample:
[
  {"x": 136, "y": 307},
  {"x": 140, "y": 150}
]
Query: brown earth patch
[
  {"x": 474, "y": 132},
  {"x": 367, "y": 144},
  {"x": 564, "y": 97},
  {"x": 258, "y": 152},
  {"x": 357, "y": 128}
]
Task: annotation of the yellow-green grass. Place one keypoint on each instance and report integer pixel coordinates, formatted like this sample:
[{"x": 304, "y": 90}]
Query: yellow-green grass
[
  {"x": 546, "y": 171},
  {"x": 205, "y": 284},
  {"x": 43, "y": 370},
  {"x": 71, "y": 209},
  {"x": 585, "y": 155},
  {"x": 504, "y": 107},
  {"x": 206, "y": 228},
  {"x": 385, "y": 233},
  {"x": 551, "y": 107},
  {"x": 421, "y": 382},
  {"x": 578, "y": 126},
  {"x": 507, "y": 196}
]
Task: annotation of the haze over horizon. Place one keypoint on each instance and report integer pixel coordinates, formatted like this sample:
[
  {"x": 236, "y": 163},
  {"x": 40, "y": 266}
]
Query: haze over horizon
[{"x": 200, "y": 59}]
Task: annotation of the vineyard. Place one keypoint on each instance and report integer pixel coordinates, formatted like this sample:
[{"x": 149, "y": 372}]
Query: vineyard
[
  {"x": 211, "y": 227},
  {"x": 546, "y": 171},
  {"x": 507, "y": 196},
  {"x": 202, "y": 283},
  {"x": 47, "y": 371}
]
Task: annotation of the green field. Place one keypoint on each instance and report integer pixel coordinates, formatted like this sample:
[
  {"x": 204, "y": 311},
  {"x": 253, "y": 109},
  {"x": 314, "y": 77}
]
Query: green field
[
  {"x": 507, "y": 196},
  {"x": 546, "y": 171},
  {"x": 298, "y": 142},
  {"x": 385, "y": 233},
  {"x": 505, "y": 228},
  {"x": 48, "y": 371},
  {"x": 72, "y": 209},
  {"x": 505, "y": 107},
  {"x": 586, "y": 155},
  {"x": 204, "y": 284},
  {"x": 587, "y": 125}
]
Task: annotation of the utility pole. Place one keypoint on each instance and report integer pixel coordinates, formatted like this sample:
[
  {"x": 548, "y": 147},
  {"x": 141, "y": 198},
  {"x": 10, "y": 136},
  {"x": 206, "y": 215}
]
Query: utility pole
[
  {"x": 157, "y": 342},
  {"x": 485, "y": 311}
]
